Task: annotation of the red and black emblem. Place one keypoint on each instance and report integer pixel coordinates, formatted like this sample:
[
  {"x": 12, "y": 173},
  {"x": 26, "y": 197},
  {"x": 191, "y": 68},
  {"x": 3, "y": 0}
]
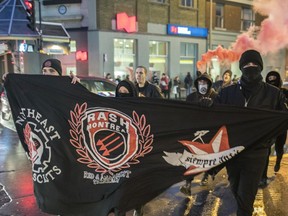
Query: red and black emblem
[{"x": 109, "y": 139}]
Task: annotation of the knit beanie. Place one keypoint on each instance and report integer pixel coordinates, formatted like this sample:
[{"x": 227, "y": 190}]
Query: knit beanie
[
  {"x": 251, "y": 56},
  {"x": 53, "y": 63}
]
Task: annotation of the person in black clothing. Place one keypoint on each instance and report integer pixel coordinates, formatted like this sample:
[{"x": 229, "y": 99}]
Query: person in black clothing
[
  {"x": 245, "y": 170},
  {"x": 274, "y": 78},
  {"x": 155, "y": 79},
  {"x": 188, "y": 81},
  {"x": 145, "y": 88},
  {"x": 176, "y": 87},
  {"x": 125, "y": 88},
  {"x": 169, "y": 86},
  {"x": 203, "y": 85}
]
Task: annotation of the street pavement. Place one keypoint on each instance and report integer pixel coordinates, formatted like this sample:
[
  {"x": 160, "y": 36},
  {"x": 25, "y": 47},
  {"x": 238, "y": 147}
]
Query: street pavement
[{"x": 215, "y": 199}]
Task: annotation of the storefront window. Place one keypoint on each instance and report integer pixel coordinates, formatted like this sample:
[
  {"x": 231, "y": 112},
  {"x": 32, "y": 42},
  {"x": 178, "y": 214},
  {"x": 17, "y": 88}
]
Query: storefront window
[
  {"x": 124, "y": 57},
  {"x": 188, "y": 52},
  {"x": 158, "y": 57}
]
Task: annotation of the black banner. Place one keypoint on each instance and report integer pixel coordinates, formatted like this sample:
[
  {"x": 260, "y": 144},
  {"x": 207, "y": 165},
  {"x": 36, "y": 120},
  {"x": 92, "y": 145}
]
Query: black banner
[{"x": 91, "y": 154}]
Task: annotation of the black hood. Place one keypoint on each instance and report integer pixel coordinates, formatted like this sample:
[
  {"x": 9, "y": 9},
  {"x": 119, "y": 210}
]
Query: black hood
[
  {"x": 133, "y": 92},
  {"x": 206, "y": 77},
  {"x": 277, "y": 82}
]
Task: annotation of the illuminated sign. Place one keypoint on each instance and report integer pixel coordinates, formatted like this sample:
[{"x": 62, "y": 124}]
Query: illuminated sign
[
  {"x": 23, "y": 47},
  {"x": 187, "y": 31},
  {"x": 81, "y": 56},
  {"x": 124, "y": 22}
]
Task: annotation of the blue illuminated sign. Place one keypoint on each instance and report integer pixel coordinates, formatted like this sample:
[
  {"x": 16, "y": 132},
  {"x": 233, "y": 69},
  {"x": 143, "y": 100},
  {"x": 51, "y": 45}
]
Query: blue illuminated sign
[{"x": 187, "y": 31}]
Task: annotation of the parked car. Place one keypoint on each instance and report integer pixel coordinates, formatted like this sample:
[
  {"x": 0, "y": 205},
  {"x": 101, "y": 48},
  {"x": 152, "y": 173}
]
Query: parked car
[
  {"x": 97, "y": 85},
  {"x": 6, "y": 116},
  {"x": 285, "y": 85},
  {"x": 100, "y": 86}
]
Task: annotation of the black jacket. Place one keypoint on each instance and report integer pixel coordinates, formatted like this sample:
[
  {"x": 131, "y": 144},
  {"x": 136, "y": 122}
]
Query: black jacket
[
  {"x": 150, "y": 90},
  {"x": 196, "y": 96},
  {"x": 266, "y": 97}
]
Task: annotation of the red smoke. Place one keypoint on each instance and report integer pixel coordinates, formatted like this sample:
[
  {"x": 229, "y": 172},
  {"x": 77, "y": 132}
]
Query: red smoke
[
  {"x": 269, "y": 38},
  {"x": 224, "y": 56}
]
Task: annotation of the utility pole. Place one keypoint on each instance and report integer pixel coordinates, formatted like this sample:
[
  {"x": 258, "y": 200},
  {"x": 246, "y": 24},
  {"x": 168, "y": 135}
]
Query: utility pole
[
  {"x": 210, "y": 25},
  {"x": 40, "y": 26}
]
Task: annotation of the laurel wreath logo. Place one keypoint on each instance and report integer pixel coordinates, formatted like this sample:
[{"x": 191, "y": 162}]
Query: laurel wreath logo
[{"x": 144, "y": 136}]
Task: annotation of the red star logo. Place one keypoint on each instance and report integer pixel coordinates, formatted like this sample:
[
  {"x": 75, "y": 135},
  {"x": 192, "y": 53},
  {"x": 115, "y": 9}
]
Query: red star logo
[{"x": 219, "y": 143}]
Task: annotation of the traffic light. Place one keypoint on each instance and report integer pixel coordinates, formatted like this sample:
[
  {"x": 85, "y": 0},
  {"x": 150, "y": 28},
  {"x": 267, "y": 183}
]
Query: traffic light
[{"x": 30, "y": 9}]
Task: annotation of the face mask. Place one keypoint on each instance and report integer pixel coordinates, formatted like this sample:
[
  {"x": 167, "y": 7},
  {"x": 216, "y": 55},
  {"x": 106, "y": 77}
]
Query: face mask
[
  {"x": 124, "y": 95},
  {"x": 251, "y": 73},
  {"x": 203, "y": 88},
  {"x": 274, "y": 83}
]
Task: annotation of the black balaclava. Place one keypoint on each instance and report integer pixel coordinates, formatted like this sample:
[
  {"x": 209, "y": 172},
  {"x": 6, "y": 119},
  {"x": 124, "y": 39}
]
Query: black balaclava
[
  {"x": 277, "y": 82},
  {"x": 133, "y": 92},
  {"x": 251, "y": 76}
]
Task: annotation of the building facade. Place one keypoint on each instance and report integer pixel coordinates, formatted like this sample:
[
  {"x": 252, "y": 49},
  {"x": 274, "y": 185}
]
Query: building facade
[
  {"x": 231, "y": 18},
  {"x": 166, "y": 36},
  {"x": 169, "y": 36}
]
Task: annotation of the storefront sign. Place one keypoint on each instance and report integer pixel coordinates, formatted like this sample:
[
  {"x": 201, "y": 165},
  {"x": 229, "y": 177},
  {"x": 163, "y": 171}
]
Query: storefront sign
[
  {"x": 124, "y": 22},
  {"x": 81, "y": 55},
  {"x": 23, "y": 47},
  {"x": 187, "y": 30}
]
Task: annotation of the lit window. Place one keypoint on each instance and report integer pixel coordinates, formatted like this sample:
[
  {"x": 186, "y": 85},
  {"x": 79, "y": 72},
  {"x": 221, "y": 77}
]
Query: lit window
[
  {"x": 158, "y": 56},
  {"x": 124, "y": 57},
  {"x": 247, "y": 18},
  {"x": 188, "y": 53}
]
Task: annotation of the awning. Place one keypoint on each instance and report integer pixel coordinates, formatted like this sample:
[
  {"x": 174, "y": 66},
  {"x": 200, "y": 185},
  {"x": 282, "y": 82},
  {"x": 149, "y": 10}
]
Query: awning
[
  {"x": 53, "y": 32},
  {"x": 13, "y": 25}
]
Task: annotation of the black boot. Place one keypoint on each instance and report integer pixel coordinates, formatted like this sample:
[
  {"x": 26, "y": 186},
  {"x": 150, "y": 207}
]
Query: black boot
[
  {"x": 277, "y": 165},
  {"x": 263, "y": 183},
  {"x": 186, "y": 189},
  {"x": 204, "y": 180}
]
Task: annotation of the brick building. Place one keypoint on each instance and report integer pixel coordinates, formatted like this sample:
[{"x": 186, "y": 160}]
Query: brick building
[{"x": 164, "y": 35}]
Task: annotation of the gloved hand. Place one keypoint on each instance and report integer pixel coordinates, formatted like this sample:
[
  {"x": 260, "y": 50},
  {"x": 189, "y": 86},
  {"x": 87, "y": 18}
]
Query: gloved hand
[{"x": 205, "y": 102}]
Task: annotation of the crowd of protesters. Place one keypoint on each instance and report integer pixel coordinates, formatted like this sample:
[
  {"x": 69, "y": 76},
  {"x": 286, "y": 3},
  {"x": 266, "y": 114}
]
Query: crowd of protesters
[{"x": 248, "y": 170}]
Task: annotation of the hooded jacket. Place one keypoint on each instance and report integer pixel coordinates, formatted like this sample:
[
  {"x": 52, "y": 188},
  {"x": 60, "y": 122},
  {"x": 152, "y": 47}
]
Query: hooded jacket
[
  {"x": 133, "y": 92},
  {"x": 196, "y": 96},
  {"x": 266, "y": 97},
  {"x": 277, "y": 82}
]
